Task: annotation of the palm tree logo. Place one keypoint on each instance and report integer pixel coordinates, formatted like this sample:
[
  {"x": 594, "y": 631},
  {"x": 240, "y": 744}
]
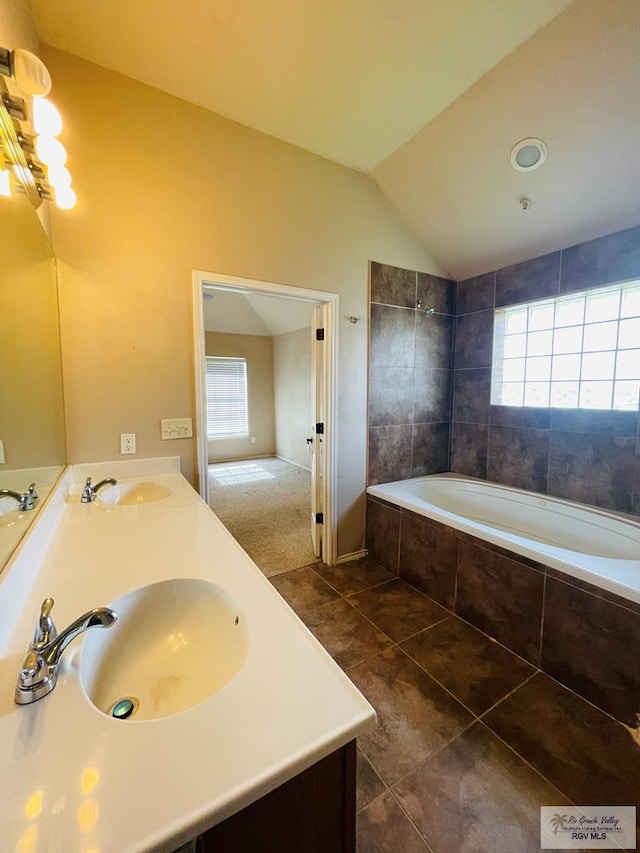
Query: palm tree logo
[{"x": 558, "y": 821}]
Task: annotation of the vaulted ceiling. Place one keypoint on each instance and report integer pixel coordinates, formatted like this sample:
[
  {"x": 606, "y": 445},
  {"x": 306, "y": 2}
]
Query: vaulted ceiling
[{"x": 426, "y": 95}]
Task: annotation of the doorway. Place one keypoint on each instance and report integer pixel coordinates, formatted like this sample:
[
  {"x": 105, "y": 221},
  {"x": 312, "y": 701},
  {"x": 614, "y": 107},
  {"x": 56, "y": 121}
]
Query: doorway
[{"x": 301, "y": 324}]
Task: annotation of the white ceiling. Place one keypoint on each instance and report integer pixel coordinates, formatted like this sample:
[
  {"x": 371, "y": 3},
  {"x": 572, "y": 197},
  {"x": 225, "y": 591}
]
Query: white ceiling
[
  {"x": 428, "y": 96},
  {"x": 576, "y": 85},
  {"x": 254, "y": 314},
  {"x": 351, "y": 80}
]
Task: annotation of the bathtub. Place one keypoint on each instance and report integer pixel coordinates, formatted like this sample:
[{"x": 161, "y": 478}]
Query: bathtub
[{"x": 593, "y": 545}]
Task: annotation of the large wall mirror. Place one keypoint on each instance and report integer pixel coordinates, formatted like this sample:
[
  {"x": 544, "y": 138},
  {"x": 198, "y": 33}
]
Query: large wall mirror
[{"x": 31, "y": 403}]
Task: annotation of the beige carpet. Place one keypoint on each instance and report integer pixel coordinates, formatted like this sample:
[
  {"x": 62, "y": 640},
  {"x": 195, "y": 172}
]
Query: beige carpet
[{"x": 266, "y": 505}]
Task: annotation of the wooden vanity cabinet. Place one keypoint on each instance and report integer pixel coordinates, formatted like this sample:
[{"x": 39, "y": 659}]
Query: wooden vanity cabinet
[{"x": 315, "y": 812}]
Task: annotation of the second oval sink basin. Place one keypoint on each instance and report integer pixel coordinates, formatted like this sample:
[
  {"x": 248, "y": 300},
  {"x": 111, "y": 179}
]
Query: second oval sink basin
[
  {"x": 174, "y": 644},
  {"x": 132, "y": 494}
]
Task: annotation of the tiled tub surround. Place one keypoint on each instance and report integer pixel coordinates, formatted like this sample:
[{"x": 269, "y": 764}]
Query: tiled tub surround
[
  {"x": 584, "y": 636},
  {"x": 471, "y": 740},
  {"x": 590, "y": 456},
  {"x": 410, "y": 368}
]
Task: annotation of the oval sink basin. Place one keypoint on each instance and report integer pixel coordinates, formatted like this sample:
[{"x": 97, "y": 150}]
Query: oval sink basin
[
  {"x": 132, "y": 494},
  {"x": 9, "y": 513},
  {"x": 7, "y": 505},
  {"x": 175, "y": 644}
]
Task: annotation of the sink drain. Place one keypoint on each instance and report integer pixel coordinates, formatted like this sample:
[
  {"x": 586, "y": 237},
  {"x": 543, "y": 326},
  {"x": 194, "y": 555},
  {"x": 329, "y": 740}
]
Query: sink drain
[{"x": 124, "y": 708}]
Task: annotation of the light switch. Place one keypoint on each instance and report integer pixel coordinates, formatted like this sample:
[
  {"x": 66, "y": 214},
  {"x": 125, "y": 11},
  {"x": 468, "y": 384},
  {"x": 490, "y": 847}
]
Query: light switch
[{"x": 176, "y": 428}]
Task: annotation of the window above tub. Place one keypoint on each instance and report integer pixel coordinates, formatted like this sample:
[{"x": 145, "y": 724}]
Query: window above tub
[{"x": 579, "y": 351}]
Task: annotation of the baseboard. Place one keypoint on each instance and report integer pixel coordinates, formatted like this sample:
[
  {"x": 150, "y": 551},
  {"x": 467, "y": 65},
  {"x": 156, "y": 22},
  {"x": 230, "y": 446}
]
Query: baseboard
[
  {"x": 241, "y": 458},
  {"x": 291, "y": 462},
  {"x": 355, "y": 555}
]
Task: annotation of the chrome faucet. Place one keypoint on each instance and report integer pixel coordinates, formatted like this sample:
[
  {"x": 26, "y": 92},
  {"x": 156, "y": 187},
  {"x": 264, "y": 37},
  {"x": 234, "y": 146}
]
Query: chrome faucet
[
  {"x": 89, "y": 492},
  {"x": 26, "y": 500},
  {"x": 39, "y": 672}
]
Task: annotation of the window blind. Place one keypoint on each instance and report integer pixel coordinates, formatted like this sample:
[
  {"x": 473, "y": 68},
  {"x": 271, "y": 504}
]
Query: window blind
[{"x": 226, "y": 388}]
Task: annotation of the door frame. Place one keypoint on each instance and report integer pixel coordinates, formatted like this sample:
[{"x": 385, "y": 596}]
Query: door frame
[{"x": 328, "y": 367}]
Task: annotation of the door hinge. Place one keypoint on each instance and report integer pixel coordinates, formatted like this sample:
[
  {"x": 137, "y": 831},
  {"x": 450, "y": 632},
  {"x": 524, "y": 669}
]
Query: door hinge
[
  {"x": 319, "y": 334},
  {"x": 319, "y": 429},
  {"x": 319, "y": 518}
]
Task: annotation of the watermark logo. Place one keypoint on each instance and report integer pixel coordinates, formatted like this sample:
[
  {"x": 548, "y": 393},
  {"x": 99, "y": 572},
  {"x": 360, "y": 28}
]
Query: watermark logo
[{"x": 588, "y": 828}]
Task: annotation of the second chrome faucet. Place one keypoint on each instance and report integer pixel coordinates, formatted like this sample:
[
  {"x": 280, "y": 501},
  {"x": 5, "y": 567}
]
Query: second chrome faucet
[{"x": 89, "y": 492}]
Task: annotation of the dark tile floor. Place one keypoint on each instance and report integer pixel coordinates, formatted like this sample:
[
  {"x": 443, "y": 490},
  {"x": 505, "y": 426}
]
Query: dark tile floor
[{"x": 471, "y": 739}]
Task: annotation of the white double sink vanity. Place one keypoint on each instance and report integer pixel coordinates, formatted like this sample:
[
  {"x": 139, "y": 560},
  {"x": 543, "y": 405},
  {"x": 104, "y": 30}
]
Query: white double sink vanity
[{"x": 204, "y": 698}]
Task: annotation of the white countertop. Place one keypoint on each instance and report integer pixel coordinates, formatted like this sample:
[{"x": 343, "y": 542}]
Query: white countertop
[{"x": 73, "y": 779}]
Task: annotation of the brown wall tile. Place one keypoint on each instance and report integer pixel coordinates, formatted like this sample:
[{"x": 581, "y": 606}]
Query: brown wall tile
[
  {"x": 518, "y": 457},
  {"x": 390, "y": 395},
  {"x": 606, "y": 260},
  {"x": 501, "y": 597},
  {"x": 476, "y": 294},
  {"x": 592, "y": 469},
  {"x": 431, "y": 395},
  {"x": 436, "y": 292},
  {"x": 390, "y": 449},
  {"x": 383, "y": 534},
  {"x": 594, "y": 590},
  {"x": 592, "y": 646},
  {"x": 392, "y": 336},
  {"x": 434, "y": 340},
  {"x": 393, "y": 285},
  {"x": 428, "y": 555},
  {"x": 594, "y": 421},
  {"x": 469, "y": 447},
  {"x": 430, "y": 453},
  {"x": 515, "y": 416},
  {"x": 472, "y": 395},
  {"x": 529, "y": 280},
  {"x": 474, "y": 340}
]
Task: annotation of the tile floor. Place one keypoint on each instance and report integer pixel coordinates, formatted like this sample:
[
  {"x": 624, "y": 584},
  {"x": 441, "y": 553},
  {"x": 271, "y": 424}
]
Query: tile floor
[{"x": 471, "y": 740}]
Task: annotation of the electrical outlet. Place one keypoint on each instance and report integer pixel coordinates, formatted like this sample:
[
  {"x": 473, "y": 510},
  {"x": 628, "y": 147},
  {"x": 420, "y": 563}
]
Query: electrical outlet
[
  {"x": 176, "y": 428},
  {"x": 127, "y": 442}
]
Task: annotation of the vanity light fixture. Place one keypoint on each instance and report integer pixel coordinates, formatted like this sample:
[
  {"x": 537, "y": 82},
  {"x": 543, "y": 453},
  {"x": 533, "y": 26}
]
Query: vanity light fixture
[
  {"x": 528, "y": 154},
  {"x": 29, "y": 72},
  {"x": 32, "y": 159}
]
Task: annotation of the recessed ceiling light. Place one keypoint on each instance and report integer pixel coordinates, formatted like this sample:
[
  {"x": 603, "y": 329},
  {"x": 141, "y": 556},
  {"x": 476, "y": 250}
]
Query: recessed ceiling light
[{"x": 528, "y": 154}]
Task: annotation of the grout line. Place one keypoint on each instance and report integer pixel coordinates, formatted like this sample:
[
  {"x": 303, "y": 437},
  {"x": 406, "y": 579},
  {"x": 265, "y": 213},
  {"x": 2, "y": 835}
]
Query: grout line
[
  {"x": 542, "y": 612},
  {"x": 507, "y": 695},
  {"x": 436, "y": 752},
  {"x": 421, "y": 631},
  {"x": 423, "y": 837},
  {"x": 528, "y": 763}
]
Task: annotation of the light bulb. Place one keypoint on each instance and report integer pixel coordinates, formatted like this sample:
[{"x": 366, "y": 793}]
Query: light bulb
[
  {"x": 5, "y": 183},
  {"x": 50, "y": 151},
  {"x": 59, "y": 177},
  {"x": 47, "y": 121},
  {"x": 65, "y": 197},
  {"x": 30, "y": 73}
]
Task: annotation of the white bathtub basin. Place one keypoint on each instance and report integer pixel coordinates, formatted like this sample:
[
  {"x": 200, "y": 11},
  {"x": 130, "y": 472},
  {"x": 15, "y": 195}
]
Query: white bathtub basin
[
  {"x": 596, "y": 545},
  {"x": 174, "y": 645}
]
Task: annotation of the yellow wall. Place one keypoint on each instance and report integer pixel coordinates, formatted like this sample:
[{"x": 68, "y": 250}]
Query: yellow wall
[
  {"x": 31, "y": 415},
  {"x": 165, "y": 187},
  {"x": 16, "y": 26},
  {"x": 258, "y": 352}
]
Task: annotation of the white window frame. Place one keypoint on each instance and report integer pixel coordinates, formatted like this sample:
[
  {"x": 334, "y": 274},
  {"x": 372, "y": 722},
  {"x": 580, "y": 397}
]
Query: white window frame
[
  {"x": 541, "y": 359},
  {"x": 238, "y": 392}
]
